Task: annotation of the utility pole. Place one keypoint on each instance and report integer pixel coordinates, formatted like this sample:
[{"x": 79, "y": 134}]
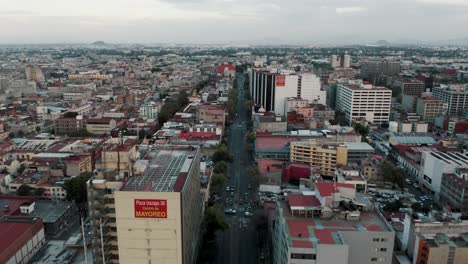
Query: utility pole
[{"x": 84, "y": 241}]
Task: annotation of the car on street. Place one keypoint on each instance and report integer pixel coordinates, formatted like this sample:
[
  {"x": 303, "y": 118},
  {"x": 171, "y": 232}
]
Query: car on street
[{"x": 247, "y": 214}]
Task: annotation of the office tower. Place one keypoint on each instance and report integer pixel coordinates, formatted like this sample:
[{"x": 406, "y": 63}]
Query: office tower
[
  {"x": 270, "y": 89},
  {"x": 363, "y": 101}
]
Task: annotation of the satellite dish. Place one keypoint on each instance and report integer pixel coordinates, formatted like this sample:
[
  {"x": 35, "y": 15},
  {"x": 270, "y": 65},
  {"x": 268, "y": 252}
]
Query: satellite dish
[{"x": 117, "y": 177}]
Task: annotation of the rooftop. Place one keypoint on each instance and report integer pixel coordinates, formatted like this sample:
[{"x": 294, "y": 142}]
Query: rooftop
[
  {"x": 308, "y": 233},
  {"x": 10, "y": 204},
  {"x": 50, "y": 211},
  {"x": 358, "y": 146},
  {"x": 15, "y": 232},
  {"x": 268, "y": 165},
  {"x": 167, "y": 172},
  {"x": 273, "y": 142}
]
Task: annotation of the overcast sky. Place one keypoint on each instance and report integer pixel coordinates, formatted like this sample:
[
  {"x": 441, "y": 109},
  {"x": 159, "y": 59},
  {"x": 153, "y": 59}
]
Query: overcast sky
[{"x": 231, "y": 21}]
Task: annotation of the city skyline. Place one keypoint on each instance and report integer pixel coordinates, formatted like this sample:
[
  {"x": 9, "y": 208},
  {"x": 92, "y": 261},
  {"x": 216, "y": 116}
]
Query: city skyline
[{"x": 233, "y": 22}]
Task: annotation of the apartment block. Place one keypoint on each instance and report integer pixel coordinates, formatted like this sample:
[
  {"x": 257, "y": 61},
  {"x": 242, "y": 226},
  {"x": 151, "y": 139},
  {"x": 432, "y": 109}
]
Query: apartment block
[
  {"x": 364, "y": 102},
  {"x": 324, "y": 156}
]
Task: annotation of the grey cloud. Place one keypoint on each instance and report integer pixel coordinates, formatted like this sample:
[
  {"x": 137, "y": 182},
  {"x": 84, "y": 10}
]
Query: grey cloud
[{"x": 261, "y": 21}]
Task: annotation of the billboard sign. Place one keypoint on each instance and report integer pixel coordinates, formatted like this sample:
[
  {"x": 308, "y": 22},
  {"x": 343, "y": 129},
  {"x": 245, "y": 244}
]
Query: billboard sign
[
  {"x": 280, "y": 80},
  {"x": 150, "y": 208}
]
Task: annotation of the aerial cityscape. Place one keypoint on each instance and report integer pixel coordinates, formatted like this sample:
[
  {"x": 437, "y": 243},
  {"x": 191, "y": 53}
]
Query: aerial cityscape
[{"x": 219, "y": 141}]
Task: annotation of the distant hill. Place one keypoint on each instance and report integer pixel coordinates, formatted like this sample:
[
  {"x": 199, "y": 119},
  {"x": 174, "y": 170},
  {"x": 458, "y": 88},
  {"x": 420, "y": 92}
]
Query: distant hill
[
  {"x": 99, "y": 43},
  {"x": 383, "y": 43}
]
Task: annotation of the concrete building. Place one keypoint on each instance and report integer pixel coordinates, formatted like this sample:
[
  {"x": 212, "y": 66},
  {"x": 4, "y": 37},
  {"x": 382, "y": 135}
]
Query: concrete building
[
  {"x": 158, "y": 215},
  {"x": 34, "y": 73},
  {"x": 430, "y": 107},
  {"x": 117, "y": 157},
  {"x": 341, "y": 61},
  {"x": 56, "y": 216},
  {"x": 435, "y": 164},
  {"x": 269, "y": 123},
  {"x": 410, "y": 87},
  {"x": 323, "y": 156},
  {"x": 434, "y": 239},
  {"x": 69, "y": 125},
  {"x": 294, "y": 103},
  {"x": 270, "y": 89},
  {"x": 357, "y": 152},
  {"x": 372, "y": 70},
  {"x": 309, "y": 89},
  {"x": 100, "y": 126},
  {"x": 22, "y": 238},
  {"x": 150, "y": 110},
  {"x": 211, "y": 114},
  {"x": 454, "y": 189},
  {"x": 364, "y": 102},
  {"x": 331, "y": 225},
  {"x": 18, "y": 88},
  {"x": 455, "y": 96},
  {"x": 77, "y": 95}
]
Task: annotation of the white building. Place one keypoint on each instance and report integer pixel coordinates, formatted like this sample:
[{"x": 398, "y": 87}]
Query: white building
[
  {"x": 364, "y": 101},
  {"x": 149, "y": 110},
  {"x": 270, "y": 89},
  {"x": 435, "y": 164},
  {"x": 312, "y": 228},
  {"x": 309, "y": 89},
  {"x": 455, "y": 96}
]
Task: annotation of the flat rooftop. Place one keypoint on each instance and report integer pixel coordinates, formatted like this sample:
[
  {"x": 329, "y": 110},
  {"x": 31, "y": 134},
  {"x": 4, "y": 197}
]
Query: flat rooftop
[
  {"x": 358, "y": 146},
  {"x": 50, "y": 211},
  {"x": 167, "y": 172},
  {"x": 309, "y": 232}
]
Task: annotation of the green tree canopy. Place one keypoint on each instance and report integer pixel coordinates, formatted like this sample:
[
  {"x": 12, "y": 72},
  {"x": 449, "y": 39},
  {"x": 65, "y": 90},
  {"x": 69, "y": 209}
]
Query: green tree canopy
[
  {"x": 76, "y": 188},
  {"x": 24, "y": 190}
]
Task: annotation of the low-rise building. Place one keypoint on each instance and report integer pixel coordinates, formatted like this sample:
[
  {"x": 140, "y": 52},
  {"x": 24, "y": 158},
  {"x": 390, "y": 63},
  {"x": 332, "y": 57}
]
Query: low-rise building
[
  {"x": 22, "y": 238},
  {"x": 454, "y": 189},
  {"x": 323, "y": 156},
  {"x": 69, "y": 125},
  {"x": 330, "y": 226},
  {"x": 359, "y": 151},
  {"x": 270, "y": 123},
  {"x": 100, "y": 126}
]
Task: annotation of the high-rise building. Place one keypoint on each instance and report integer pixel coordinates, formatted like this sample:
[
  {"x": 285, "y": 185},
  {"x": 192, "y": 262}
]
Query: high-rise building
[
  {"x": 455, "y": 96},
  {"x": 150, "y": 218},
  {"x": 270, "y": 89},
  {"x": 373, "y": 70},
  {"x": 364, "y": 101},
  {"x": 324, "y": 156},
  {"x": 34, "y": 73},
  {"x": 341, "y": 61},
  {"x": 309, "y": 89}
]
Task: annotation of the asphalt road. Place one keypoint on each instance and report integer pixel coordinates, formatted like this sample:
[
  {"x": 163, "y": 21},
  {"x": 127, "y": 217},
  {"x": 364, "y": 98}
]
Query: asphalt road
[{"x": 238, "y": 243}]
